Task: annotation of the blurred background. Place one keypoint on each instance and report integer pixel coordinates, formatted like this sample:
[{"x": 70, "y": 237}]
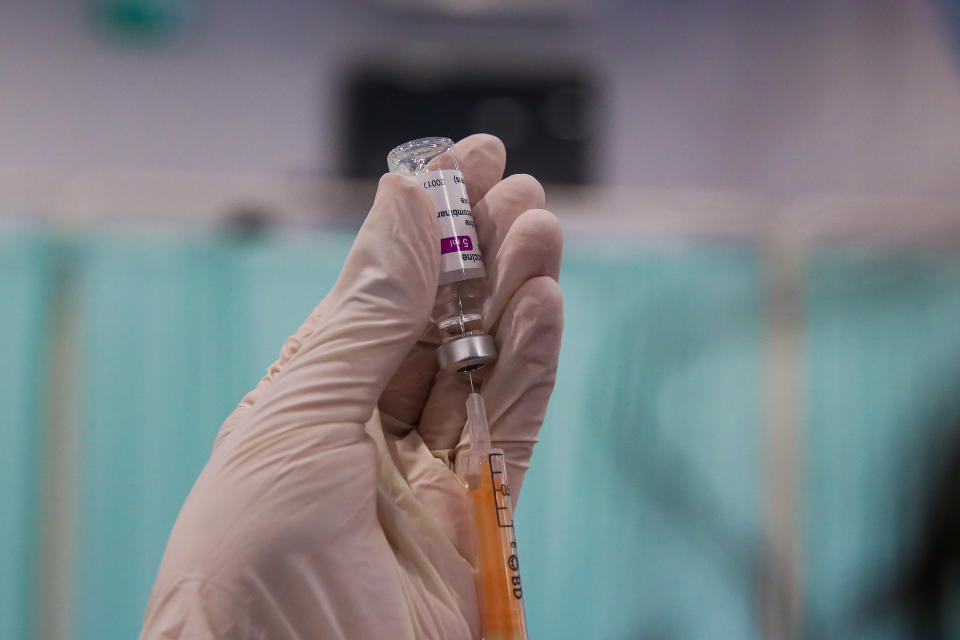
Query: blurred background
[{"x": 756, "y": 426}]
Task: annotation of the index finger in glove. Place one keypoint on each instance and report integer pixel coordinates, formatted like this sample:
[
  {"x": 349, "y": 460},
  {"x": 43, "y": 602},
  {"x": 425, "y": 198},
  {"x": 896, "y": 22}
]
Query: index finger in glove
[
  {"x": 520, "y": 384},
  {"x": 516, "y": 389},
  {"x": 482, "y": 159},
  {"x": 532, "y": 248}
]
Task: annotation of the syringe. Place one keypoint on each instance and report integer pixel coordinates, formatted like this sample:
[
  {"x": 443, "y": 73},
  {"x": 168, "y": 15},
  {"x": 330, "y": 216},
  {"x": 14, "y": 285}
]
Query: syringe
[
  {"x": 499, "y": 589},
  {"x": 466, "y": 347}
]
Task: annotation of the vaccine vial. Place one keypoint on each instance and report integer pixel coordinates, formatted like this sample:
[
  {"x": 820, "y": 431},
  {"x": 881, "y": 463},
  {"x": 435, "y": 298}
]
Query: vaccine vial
[{"x": 462, "y": 289}]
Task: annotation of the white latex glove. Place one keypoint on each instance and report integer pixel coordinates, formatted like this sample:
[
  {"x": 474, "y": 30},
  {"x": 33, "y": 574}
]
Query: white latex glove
[{"x": 327, "y": 508}]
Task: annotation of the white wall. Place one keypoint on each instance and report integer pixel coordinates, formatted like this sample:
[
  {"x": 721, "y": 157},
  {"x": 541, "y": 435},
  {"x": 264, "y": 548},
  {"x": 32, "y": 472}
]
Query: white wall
[
  {"x": 840, "y": 95},
  {"x": 818, "y": 96}
]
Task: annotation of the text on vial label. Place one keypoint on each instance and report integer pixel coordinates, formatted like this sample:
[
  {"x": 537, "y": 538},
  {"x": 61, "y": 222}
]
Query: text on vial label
[{"x": 460, "y": 256}]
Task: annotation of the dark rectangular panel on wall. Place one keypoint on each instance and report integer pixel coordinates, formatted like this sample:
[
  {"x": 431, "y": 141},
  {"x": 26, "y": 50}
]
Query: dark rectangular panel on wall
[{"x": 543, "y": 119}]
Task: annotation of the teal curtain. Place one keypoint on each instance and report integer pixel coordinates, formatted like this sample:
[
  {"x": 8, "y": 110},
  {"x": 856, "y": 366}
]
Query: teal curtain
[
  {"x": 639, "y": 517},
  {"x": 882, "y": 357},
  {"x": 175, "y": 331},
  {"x": 26, "y": 277}
]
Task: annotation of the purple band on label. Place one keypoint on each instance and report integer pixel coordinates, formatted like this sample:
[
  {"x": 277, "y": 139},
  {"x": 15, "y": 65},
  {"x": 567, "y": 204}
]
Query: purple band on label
[{"x": 455, "y": 243}]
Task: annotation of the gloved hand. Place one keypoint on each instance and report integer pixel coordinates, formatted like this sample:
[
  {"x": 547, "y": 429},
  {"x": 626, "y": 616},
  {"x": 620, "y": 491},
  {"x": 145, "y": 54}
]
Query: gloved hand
[{"x": 327, "y": 508}]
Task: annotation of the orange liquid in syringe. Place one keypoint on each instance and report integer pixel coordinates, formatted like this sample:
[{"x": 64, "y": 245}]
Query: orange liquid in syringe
[{"x": 501, "y": 591}]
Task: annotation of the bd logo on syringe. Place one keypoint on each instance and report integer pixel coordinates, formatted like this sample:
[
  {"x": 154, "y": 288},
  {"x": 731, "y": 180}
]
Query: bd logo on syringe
[{"x": 514, "y": 563}]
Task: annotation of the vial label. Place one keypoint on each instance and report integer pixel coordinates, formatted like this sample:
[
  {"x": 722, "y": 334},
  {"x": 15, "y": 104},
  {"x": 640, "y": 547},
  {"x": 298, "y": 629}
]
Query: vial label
[{"x": 460, "y": 257}]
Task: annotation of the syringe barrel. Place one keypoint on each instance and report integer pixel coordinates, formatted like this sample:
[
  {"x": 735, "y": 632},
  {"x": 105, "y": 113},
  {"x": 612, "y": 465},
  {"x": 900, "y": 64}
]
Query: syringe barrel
[{"x": 498, "y": 581}]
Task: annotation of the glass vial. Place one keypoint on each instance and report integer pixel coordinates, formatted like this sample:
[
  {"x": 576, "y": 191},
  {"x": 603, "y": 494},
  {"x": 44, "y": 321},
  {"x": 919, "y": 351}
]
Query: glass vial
[{"x": 462, "y": 288}]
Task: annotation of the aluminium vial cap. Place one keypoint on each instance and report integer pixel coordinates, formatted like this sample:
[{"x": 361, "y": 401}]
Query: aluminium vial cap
[{"x": 467, "y": 353}]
